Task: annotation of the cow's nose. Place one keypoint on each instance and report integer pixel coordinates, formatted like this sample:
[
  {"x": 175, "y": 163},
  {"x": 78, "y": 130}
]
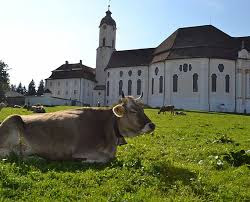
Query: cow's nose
[{"x": 152, "y": 126}]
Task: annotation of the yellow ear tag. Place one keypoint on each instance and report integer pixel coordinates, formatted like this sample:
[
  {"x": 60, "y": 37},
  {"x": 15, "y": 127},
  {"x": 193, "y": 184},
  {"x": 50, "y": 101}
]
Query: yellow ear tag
[
  {"x": 124, "y": 101},
  {"x": 118, "y": 110}
]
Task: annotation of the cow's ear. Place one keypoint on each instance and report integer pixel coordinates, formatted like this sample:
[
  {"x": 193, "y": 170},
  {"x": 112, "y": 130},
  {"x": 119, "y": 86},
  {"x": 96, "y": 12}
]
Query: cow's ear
[{"x": 119, "y": 110}]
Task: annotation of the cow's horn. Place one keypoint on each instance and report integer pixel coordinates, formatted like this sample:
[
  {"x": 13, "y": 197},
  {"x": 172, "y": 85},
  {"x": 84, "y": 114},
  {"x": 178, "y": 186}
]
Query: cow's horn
[
  {"x": 140, "y": 96},
  {"x": 123, "y": 96}
]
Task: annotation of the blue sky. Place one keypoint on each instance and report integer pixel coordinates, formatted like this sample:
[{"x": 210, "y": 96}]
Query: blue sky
[{"x": 37, "y": 36}]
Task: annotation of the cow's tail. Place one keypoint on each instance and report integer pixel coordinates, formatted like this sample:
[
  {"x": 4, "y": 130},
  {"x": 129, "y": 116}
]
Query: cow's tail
[{"x": 11, "y": 133}]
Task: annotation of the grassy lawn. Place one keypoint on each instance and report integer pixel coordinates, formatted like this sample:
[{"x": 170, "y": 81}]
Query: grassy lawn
[{"x": 187, "y": 159}]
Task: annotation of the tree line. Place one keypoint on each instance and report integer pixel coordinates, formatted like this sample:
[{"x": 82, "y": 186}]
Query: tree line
[
  {"x": 5, "y": 84},
  {"x": 31, "y": 88}
]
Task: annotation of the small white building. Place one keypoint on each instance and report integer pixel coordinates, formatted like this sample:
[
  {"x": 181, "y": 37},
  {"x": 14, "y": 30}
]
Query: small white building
[
  {"x": 73, "y": 82},
  {"x": 200, "y": 68}
]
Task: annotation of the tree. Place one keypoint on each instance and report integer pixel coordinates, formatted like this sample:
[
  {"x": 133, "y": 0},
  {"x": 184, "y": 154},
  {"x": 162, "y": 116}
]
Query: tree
[
  {"x": 32, "y": 88},
  {"x": 40, "y": 90},
  {"x": 20, "y": 88},
  {"x": 13, "y": 87},
  {"x": 24, "y": 90},
  {"x": 4, "y": 79}
]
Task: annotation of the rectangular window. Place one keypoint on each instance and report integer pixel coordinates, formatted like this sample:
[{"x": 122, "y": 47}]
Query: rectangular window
[
  {"x": 195, "y": 82},
  {"x": 175, "y": 83},
  {"x": 152, "y": 86},
  {"x": 108, "y": 88},
  {"x": 227, "y": 80},
  {"x": 214, "y": 78},
  {"x": 161, "y": 84}
]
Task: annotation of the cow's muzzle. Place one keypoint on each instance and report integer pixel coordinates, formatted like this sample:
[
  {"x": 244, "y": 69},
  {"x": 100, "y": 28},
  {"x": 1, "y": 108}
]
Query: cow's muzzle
[
  {"x": 148, "y": 128},
  {"x": 152, "y": 126}
]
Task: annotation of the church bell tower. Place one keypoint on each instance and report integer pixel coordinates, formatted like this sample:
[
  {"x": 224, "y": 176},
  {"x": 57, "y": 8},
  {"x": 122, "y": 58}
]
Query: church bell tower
[{"x": 107, "y": 40}]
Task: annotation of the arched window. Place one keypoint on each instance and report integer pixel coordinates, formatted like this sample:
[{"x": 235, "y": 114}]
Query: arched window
[
  {"x": 152, "y": 85},
  {"x": 139, "y": 72},
  {"x": 130, "y": 72},
  {"x": 108, "y": 88},
  {"x": 214, "y": 77},
  {"x": 103, "y": 42},
  {"x": 156, "y": 71},
  {"x": 221, "y": 67},
  {"x": 175, "y": 83},
  {"x": 121, "y": 73},
  {"x": 227, "y": 80},
  {"x": 180, "y": 68},
  {"x": 139, "y": 87},
  {"x": 120, "y": 87},
  {"x": 161, "y": 84},
  {"x": 195, "y": 82},
  {"x": 190, "y": 67},
  {"x": 185, "y": 67},
  {"x": 129, "y": 87}
]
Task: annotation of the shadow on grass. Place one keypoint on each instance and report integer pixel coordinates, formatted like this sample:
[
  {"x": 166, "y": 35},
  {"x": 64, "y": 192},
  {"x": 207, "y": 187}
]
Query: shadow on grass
[
  {"x": 44, "y": 165},
  {"x": 170, "y": 178}
]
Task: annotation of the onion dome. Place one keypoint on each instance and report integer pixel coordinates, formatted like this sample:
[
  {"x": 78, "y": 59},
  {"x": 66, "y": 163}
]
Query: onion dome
[{"x": 108, "y": 20}]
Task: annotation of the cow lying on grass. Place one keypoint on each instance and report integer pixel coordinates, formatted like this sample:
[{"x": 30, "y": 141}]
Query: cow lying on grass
[
  {"x": 167, "y": 108},
  {"x": 88, "y": 134},
  {"x": 38, "y": 109},
  {"x": 180, "y": 113}
]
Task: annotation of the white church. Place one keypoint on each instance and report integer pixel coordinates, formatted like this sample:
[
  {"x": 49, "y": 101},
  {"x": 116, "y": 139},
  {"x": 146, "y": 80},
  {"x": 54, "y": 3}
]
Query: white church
[{"x": 196, "y": 68}]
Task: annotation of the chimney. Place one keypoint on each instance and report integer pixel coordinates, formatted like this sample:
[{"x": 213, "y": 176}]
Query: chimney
[
  {"x": 81, "y": 62},
  {"x": 66, "y": 62}
]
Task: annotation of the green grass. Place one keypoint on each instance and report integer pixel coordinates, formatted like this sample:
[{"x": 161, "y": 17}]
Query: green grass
[{"x": 183, "y": 161}]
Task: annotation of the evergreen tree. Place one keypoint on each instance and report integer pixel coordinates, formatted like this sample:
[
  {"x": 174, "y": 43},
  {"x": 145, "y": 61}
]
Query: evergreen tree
[
  {"x": 20, "y": 88},
  {"x": 4, "y": 80},
  {"x": 32, "y": 88},
  {"x": 40, "y": 90},
  {"x": 24, "y": 90},
  {"x": 13, "y": 87}
]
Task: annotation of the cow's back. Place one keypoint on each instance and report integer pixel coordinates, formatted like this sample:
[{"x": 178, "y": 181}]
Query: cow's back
[{"x": 61, "y": 134}]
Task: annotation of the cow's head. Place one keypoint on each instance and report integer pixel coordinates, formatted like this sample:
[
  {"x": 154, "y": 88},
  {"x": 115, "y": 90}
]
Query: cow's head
[{"x": 132, "y": 119}]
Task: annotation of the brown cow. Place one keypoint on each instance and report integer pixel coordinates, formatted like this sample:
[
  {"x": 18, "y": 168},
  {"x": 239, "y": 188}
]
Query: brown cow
[
  {"x": 89, "y": 134},
  {"x": 164, "y": 109}
]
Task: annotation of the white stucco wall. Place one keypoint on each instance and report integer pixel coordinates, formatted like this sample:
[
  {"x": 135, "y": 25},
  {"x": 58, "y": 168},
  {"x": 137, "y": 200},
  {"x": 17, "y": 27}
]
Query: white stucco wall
[
  {"x": 185, "y": 97},
  {"x": 243, "y": 85},
  {"x": 75, "y": 89},
  {"x": 114, "y": 78},
  {"x": 99, "y": 96},
  {"x": 46, "y": 100},
  {"x": 216, "y": 99},
  {"x": 155, "y": 98}
]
